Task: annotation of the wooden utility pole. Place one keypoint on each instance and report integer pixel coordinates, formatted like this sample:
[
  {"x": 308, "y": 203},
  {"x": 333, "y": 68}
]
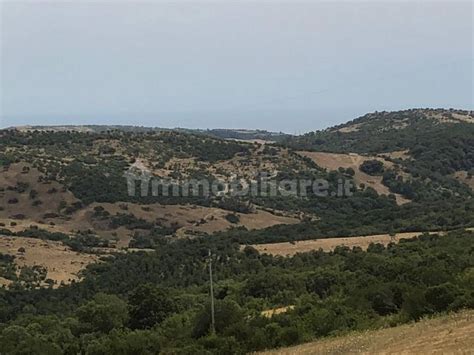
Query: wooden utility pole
[{"x": 213, "y": 322}]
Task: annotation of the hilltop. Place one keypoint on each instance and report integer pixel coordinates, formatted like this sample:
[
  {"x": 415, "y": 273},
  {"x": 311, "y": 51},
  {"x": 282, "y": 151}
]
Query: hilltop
[
  {"x": 224, "y": 133},
  {"x": 386, "y": 132}
]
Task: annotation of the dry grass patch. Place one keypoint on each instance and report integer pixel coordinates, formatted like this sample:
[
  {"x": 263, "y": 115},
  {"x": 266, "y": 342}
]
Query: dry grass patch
[
  {"x": 61, "y": 263},
  {"x": 462, "y": 176},
  {"x": 329, "y": 244},
  {"x": 352, "y": 128},
  {"x": 397, "y": 154},
  {"x": 332, "y": 161},
  {"x": 251, "y": 141},
  {"x": 268, "y": 313},
  {"x": 51, "y": 194},
  {"x": 451, "y": 117},
  {"x": 450, "y": 334},
  {"x": 189, "y": 219},
  {"x": 5, "y": 282}
]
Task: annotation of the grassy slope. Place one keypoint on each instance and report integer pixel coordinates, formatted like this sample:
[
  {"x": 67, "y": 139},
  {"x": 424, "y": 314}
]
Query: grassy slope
[{"x": 446, "y": 334}]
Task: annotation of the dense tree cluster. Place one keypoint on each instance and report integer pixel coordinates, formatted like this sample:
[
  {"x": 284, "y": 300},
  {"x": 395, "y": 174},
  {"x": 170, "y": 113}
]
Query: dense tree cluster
[
  {"x": 372, "y": 167},
  {"x": 152, "y": 302}
]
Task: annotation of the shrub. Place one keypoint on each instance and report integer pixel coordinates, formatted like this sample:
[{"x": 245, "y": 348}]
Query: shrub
[
  {"x": 372, "y": 167},
  {"x": 232, "y": 218}
]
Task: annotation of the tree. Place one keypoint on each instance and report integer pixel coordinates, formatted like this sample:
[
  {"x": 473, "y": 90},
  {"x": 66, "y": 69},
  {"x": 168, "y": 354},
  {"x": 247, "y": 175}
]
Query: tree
[
  {"x": 103, "y": 313},
  {"x": 18, "y": 340},
  {"x": 321, "y": 283},
  {"x": 232, "y": 218},
  {"x": 269, "y": 284},
  {"x": 350, "y": 171},
  {"x": 372, "y": 167},
  {"x": 125, "y": 342},
  {"x": 148, "y": 306},
  {"x": 381, "y": 299},
  {"x": 442, "y": 296},
  {"x": 414, "y": 304},
  {"x": 227, "y": 313}
]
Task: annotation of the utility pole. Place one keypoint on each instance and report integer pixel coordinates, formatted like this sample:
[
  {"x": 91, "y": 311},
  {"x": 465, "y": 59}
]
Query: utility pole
[{"x": 213, "y": 322}]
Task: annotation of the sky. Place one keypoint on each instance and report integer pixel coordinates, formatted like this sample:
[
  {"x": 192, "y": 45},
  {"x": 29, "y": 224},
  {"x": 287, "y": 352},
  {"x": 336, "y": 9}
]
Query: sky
[{"x": 280, "y": 66}]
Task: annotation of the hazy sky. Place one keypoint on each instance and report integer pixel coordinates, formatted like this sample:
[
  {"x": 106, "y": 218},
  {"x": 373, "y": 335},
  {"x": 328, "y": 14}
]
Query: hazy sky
[{"x": 290, "y": 66}]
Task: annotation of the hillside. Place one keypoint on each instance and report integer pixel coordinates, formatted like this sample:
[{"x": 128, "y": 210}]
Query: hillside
[
  {"x": 386, "y": 132},
  {"x": 105, "y": 234},
  {"x": 447, "y": 334},
  {"x": 425, "y": 142},
  {"x": 70, "y": 180}
]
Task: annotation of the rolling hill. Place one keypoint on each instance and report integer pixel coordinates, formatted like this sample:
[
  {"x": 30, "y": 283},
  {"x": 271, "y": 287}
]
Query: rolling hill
[{"x": 85, "y": 254}]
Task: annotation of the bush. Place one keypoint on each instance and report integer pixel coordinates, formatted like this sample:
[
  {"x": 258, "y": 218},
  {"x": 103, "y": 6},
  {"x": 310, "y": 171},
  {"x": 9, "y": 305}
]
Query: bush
[
  {"x": 103, "y": 313},
  {"x": 372, "y": 167},
  {"x": 441, "y": 297},
  {"x": 232, "y": 218}
]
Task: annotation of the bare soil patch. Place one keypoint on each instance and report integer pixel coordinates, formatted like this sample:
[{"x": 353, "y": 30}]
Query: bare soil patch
[
  {"x": 352, "y": 128},
  {"x": 462, "y": 176}
]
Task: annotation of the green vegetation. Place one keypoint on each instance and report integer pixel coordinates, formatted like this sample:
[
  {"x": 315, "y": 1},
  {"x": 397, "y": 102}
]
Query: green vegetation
[
  {"x": 150, "y": 302},
  {"x": 245, "y": 134},
  {"x": 81, "y": 241},
  {"x": 7, "y": 267},
  {"x": 372, "y": 167},
  {"x": 94, "y": 172},
  {"x": 153, "y": 301},
  {"x": 434, "y": 148}
]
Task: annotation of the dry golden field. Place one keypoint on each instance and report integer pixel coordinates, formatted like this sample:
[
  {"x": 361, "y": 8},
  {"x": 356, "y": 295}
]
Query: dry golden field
[
  {"x": 328, "y": 244},
  {"x": 62, "y": 264},
  {"x": 332, "y": 161},
  {"x": 449, "y": 334}
]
